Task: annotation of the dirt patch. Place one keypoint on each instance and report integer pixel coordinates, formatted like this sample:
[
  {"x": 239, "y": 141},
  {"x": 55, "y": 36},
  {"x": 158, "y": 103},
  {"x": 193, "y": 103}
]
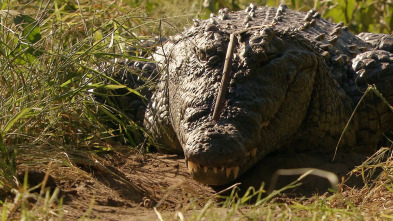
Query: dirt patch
[
  {"x": 126, "y": 185},
  {"x": 115, "y": 186}
]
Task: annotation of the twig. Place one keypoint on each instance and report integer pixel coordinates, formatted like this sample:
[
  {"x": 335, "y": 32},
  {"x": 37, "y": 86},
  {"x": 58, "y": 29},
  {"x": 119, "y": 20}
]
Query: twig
[
  {"x": 226, "y": 189},
  {"x": 331, "y": 177},
  {"x": 225, "y": 79},
  {"x": 227, "y": 72}
]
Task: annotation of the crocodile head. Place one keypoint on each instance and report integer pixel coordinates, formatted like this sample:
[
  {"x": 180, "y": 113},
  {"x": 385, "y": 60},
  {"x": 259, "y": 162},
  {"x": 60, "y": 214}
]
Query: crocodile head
[
  {"x": 265, "y": 104},
  {"x": 292, "y": 85}
]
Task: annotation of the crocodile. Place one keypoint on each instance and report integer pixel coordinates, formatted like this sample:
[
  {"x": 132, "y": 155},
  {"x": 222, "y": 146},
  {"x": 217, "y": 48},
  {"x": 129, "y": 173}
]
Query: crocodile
[{"x": 244, "y": 84}]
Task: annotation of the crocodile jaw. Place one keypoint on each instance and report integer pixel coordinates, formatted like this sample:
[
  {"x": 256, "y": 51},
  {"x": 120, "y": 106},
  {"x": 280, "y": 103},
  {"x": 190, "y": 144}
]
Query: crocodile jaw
[
  {"x": 221, "y": 175},
  {"x": 217, "y": 154}
]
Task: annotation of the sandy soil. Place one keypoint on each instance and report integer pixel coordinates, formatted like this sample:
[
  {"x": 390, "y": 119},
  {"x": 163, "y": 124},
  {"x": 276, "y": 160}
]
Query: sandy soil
[
  {"x": 126, "y": 185},
  {"x": 114, "y": 186}
]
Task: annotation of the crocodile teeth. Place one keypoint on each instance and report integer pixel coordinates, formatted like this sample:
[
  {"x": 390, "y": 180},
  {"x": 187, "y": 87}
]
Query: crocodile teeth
[
  {"x": 228, "y": 171},
  {"x": 264, "y": 124},
  {"x": 247, "y": 154},
  {"x": 253, "y": 152},
  {"x": 192, "y": 167},
  {"x": 235, "y": 172}
]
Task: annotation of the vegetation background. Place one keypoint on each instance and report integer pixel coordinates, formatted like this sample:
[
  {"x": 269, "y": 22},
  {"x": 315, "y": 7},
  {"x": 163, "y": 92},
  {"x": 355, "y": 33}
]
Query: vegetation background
[
  {"x": 359, "y": 15},
  {"x": 51, "y": 51}
]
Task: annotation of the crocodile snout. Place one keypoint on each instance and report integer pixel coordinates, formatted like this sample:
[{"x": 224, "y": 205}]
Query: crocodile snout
[{"x": 217, "y": 154}]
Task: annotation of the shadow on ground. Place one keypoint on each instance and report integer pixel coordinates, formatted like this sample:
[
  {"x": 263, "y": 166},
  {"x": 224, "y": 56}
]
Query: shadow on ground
[{"x": 263, "y": 172}]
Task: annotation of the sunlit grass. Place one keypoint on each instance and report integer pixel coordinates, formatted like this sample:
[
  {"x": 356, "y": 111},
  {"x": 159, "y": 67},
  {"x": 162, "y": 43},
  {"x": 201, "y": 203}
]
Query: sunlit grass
[
  {"x": 50, "y": 57},
  {"x": 359, "y": 16}
]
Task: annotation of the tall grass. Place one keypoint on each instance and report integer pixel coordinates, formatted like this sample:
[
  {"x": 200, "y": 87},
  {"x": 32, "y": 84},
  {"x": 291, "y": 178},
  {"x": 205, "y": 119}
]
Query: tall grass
[{"x": 50, "y": 52}]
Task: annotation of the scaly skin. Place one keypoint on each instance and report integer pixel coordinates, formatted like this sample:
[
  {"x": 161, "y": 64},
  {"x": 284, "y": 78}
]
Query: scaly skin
[{"x": 295, "y": 80}]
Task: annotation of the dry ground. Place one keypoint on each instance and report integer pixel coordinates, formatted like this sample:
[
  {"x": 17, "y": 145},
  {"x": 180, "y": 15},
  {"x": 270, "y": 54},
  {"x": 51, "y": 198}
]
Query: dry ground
[
  {"x": 116, "y": 186},
  {"x": 126, "y": 185}
]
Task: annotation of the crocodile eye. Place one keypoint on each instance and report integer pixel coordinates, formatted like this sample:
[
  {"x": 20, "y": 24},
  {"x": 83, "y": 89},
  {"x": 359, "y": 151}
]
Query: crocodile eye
[
  {"x": 195, "y": 114},
  {"x": 201, "y": 54}
]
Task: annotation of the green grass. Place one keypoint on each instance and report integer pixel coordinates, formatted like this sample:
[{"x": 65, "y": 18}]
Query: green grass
[
  {"x": 47, "y": 205},
  {"x": 50, "y": 52},
  {"x": 358, "y": 15}
]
